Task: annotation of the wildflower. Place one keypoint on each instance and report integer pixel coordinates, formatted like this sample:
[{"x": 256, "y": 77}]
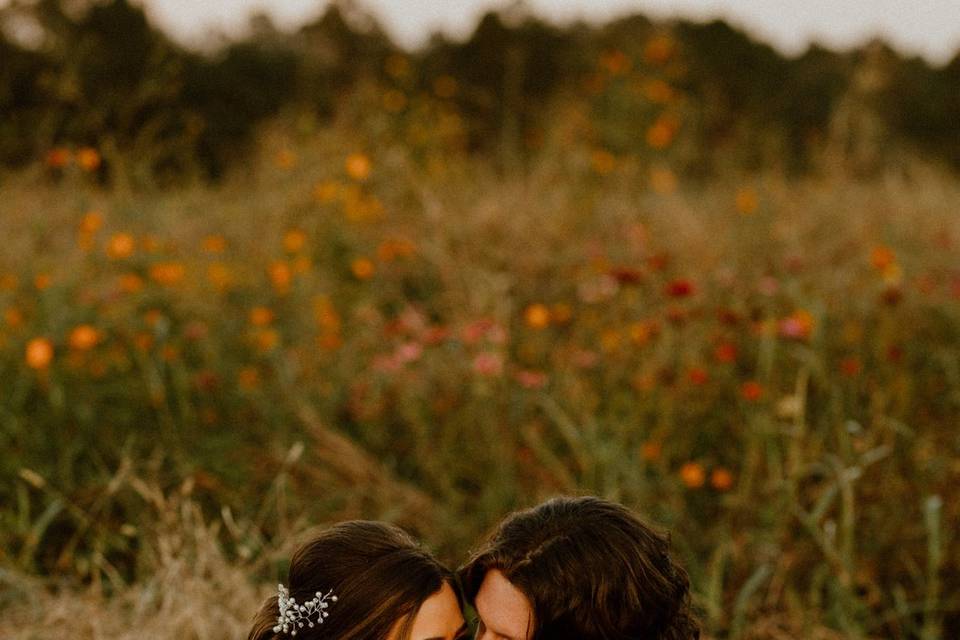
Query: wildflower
[
  {"x": 698, "y": 376},
  {"x": 91, "y": 222},
  {"x": 120, "y": 246},
  {"x": 659, "y": 49},
  {"x": 358, "y": 166},
  {"x": 58, "y": 158},
  {"x": 851, "y": 366},
  {"x": 658, "y": 91},
  {"x": 280, "y": 275},
  {"x": 798, "y": 325},
  {"x": 680, "y": 288},
  {"x": 747, "y": 201},
  {"x": 721, "y": 479},
  {"x": 248, "y": 378},
  {"x": 751, "y": 390},
  {"x": 362, "y": 268},
  {"x": 167, "y": 273},
  {"x": 39, "y": 353},
  {"x": 530, "y": 379},
  {"x": 693, "y": 475},
  {"x": 214, "y": 244},
  {"x": 603, "y": 162},
  {"x": 725, "y": 352},
  {"x": 615, "y": 62},
  {"x": 261, "y": 316},
  {"x": 651, "y": 450},
  {"x": 561, "y": 313},
  {"x": 42, "y": 281},
  {"x": 129, "y": 283},
  {"x": 663, "y": 130},
  {"x": 84, "y": 337},
  {"x": 882, "y": 257},
  {"x": 13, "y": 317},
  {"x": 326, "y": 191},
  {"x": 294, "y": 240},
  {"x": 488, "y": 364},
  {"x": 537, "y": 316},
  {"x": 88, "y": 159}
]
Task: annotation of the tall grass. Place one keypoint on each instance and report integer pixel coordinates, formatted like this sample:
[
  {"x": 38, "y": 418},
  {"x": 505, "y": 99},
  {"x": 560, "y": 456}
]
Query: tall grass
[{"x": 362, "y": 327}]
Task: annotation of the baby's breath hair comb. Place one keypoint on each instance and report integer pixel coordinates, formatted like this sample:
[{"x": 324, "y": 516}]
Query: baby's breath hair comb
[{"x": 295, "y": 616}]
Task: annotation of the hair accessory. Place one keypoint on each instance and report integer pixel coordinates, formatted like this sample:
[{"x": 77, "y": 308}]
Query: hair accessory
[{"x": 294, "y": 615}]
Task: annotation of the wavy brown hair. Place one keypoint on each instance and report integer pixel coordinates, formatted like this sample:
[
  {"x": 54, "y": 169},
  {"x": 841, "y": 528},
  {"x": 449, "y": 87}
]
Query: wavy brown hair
[
  {"x": 379, "y": 574},
  {"x": 591, "y": 569}
]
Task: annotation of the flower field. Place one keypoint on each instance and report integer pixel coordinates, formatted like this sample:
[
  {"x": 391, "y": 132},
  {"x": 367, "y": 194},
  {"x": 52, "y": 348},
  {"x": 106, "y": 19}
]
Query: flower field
[{"x": 368, "y": 322}]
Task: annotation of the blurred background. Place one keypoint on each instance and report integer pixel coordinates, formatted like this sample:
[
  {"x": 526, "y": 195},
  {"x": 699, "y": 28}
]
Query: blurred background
[{"x": 266, "y": 266}]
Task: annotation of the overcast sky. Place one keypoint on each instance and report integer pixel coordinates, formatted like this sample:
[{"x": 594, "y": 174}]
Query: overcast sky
[{"x": 927, "y": 27}]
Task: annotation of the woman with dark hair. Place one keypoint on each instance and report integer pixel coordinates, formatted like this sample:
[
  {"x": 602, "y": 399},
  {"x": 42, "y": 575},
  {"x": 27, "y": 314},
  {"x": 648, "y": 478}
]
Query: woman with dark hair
[
  {"x": 363, "y": 580},
  {"x": 578, "y": 568}
]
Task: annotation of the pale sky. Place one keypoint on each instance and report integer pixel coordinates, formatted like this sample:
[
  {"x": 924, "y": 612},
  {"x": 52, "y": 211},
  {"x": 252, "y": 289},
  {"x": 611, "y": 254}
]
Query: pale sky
[{"x": 927, "y": 27}]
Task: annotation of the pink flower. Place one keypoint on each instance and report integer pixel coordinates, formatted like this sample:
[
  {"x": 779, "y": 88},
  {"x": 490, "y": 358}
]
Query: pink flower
[
  {"x": 488, "y": 364},
  {"x": 530, "y": 379},
  {"x": 408, "y": 352}
]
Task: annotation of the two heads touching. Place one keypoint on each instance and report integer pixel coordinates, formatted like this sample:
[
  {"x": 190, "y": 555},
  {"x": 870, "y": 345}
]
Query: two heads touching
[{"x": 582, "y": 568}]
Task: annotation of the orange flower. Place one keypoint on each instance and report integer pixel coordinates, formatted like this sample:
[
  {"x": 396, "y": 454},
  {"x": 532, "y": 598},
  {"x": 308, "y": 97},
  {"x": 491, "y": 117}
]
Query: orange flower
[
  {"x": 659, "y": 49},
  {"x": 603, "y": 161},
  {"x": 294, "y": 240},
  {"x": 615, "y": 62},
  {"x": 261, "y": 316},
  {"x": 358, "y": 166},
  {"x": 167, "y": 273},
  {"x": 851, "y": 366},
  {"x": 88, "y": 158},
  {"x": 651, "y": 450},
  {"x": 120, "y": 246},
  {"x": 751, "y": 390},
  {"x": 662, "y": 132},
  {"x": 91, "y": 222},
  {"x": 881, "y": 257},
  {"x": 8, "y": 282},
  {"x": 721, "y": 479},
  {"x": 537, "y": 316},
  {"x": 280, "y": 275},
  {"x": 658, "y": 91},
  {"x": 13, "y": 317},
  {"x": 39, "y": 353},
  {"x": 326, "y": 191},
  {"x": 698, "y": 376},
  {"x": 389, "y": 250},
  {"x": 362, "y": 268},
  {"x": 747, "y": 201},
  {"x": 42, "y": 281},
  {"x": 214, "y": 244},
  {"x": 693, "y": 475},
  {"x": 725, "y": 352},
  {"x": 130, "y": 283},
  {"x": 58, "y": 158},
  {"x": 266, "y": 339},
  {"x": 84, "y": 337}
]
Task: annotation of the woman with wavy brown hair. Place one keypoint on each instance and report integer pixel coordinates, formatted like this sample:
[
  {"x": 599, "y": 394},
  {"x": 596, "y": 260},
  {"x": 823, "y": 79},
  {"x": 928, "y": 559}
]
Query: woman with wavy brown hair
[
  {"x": 363, "y": 580},
  {"x": 578, "y": 568}
]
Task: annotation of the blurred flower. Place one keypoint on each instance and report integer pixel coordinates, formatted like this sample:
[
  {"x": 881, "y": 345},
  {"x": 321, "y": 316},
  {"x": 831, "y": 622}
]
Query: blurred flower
[
  {"x": 488, "y": 364},
  {"x": 88, "y": 158},
  {"x": 219, "y": 275},
  {"x": 680, "y": 288},
  {"x": 615, "y": 62},
  {"x": 248, "y": 378},
  {"x": 642, "y": 331},
  {"x": 326, "y": 191},
  {"x": 851, "y": 366},
  {"x": 721, "y": 479},
  {"x": 39, "y": 353},
  {"x": 120, "y": 246},
  {"x": 280, "y": 276},
  {"x": 751, "y": 390},
  {"x": 662, "y": 132},
  {"x": 747, "y": 201},
  {"x": 362, "y": 268},
  {"x": 659, "y": 49},
  {"x": 42, "y": 281},
  {"x": 294, "y": 240},
  {"x": 408, "y": 352},
  {"x": 693, "y": 475},
  {"x": 658, "y": 91},
  {"x": 651, "y": 450},
  {"x": 84, "y": 337},
  {"x": 58, "y": 157},
  {"x": 358, "y": 166},
  {"x": 789, "y": 407},
  {"x": 266, "y": 339},
  {"x": 261, "y": 316},
  {"x": 561, "y": 313},
  {"x": 394, "y": 248},
  {"x": 881, "y": 257},
  {"x": 598, "y": 289},
  {"x": 13, "y": 317},
  {"x": 603, "y": 162},
  {"x": 286, "y": 159},
  {"x": 626, "y": 275},
  {"x": 8, "y": 282},
  {"x": 798, "y": 325},
  {"x": 725, "y": 352},
  {"x": 768, "y": 286},
  {"x": 698, "y": 376},
  {"x": 663, "y": 180},
  {"x": 129, "y": 283},
  {"x": 584, "y": 358},
  {"x": 167, "y": 273},
  {"x": 537, "y": 316},
  {"x": 91, "y": 222},
  {"x": 214, "y": 244},
  {"x": 530, "y": 379}
]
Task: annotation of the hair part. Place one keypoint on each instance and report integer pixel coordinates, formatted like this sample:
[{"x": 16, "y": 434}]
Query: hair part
[
  {"x": 380, "y": 575},
  {"x": 591, "y": 569}
]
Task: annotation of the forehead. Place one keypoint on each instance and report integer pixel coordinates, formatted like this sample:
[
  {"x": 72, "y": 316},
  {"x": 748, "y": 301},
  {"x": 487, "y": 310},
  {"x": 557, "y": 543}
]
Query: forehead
[
  {"x": 504, "y": 609},
  {"x": 439, "y": 616}
]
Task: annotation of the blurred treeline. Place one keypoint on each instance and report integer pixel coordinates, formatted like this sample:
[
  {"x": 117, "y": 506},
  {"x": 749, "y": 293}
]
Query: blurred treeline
[{"x": 99, "y": 75}]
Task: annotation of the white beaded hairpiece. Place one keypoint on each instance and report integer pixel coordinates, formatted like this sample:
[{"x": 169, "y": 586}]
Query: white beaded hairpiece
[{"x": 295, "y": 616}]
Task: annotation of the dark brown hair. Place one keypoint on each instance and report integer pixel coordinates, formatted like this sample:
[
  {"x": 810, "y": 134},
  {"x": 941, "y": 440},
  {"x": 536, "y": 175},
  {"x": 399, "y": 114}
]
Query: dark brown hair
[
  {"x": 377, "y": 571},
  {"x": 591, "y": 570}
]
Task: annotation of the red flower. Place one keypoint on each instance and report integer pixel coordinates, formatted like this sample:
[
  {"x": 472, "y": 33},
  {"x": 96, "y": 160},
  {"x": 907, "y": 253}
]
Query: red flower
[
  {"x": 751, "y": 390},
  {"x": 698, "y": 376},
  {"x": 725, "y": 352},
  {"x": 680, "y": 288}
]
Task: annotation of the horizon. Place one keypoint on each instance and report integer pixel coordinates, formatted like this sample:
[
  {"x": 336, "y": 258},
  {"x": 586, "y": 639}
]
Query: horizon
[{"x": 922, "y": 28}]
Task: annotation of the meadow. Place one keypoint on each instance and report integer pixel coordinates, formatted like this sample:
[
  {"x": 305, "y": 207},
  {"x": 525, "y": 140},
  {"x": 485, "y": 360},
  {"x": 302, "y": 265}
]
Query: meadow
[{"x": 365, "y": 320}]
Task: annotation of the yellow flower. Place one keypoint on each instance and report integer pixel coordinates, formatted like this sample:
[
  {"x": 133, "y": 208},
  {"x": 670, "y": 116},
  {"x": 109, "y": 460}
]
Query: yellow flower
[
  {"x": 167, "y": 273},
  {"x": 358, "y": 166},
  {"x": 84, "y": 337},
  {"x": 88, "y": 158},
  {"x": 693, "y": 475},
  {"x": 120, "y": 246},
  {"x": 537, "y": 316},
  {"x": 362, "y": 268}
]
